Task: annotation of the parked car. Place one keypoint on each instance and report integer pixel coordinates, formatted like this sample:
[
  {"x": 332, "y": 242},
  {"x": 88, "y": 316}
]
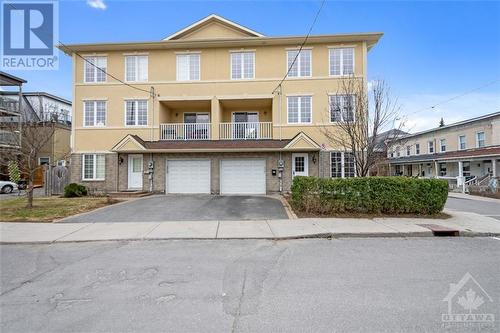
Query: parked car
[{"x": 7, "y": 187}]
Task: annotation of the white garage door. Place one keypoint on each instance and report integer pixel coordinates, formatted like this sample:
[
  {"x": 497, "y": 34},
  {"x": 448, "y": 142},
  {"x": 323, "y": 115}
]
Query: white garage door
[
  {"x": 188, "y": 176},
  {"x": 245, "y": 176}
]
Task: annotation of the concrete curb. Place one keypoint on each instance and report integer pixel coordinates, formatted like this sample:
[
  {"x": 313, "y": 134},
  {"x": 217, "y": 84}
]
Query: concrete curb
[{"x": 326, "y": 235}]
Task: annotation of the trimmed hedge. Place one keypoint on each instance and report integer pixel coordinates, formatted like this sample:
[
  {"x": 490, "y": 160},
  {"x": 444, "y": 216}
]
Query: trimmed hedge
[
  {"x": 372, "y": 195},
  {"x": 74, "y": 190}
]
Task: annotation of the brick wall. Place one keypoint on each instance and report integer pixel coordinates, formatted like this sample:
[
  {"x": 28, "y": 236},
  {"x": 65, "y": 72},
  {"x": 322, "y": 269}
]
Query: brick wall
[{"x": 109, "y": 184}]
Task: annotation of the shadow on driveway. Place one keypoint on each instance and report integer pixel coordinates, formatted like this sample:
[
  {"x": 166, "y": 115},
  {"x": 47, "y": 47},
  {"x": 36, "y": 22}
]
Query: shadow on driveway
[{"x": 188, "y": 208}]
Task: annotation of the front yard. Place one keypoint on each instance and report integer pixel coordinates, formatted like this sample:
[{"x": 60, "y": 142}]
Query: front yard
[{"x": 48, "y": 209}]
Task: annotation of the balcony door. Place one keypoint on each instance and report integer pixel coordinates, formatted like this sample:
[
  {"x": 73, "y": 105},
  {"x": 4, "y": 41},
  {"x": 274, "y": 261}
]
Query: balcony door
[
  {"x": 245, "y": 125},
  {"x": 196, "y": 126}
]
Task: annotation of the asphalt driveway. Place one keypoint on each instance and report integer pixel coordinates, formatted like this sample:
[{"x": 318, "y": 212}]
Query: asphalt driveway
[{"x": 188, "y": 208}]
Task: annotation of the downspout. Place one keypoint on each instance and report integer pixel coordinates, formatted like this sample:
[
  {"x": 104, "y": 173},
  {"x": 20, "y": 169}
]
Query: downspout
[
  {"x": 280, "y": 138},
  {"x": 151, "y": 162}
]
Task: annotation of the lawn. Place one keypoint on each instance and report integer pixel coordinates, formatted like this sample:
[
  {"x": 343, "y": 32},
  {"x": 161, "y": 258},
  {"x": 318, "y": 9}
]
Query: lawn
[{"x": 47, "y": 209}]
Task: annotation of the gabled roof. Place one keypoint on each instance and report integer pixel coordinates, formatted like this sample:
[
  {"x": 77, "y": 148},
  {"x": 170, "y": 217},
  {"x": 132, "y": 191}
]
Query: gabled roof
[
  {"x": 133, "y": 143},
  {"x": 236, "y": 28}
]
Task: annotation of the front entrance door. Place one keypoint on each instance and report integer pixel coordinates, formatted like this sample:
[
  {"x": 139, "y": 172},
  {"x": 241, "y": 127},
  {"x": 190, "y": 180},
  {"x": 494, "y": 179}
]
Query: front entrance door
[
  {"x": 300, "y": 164},
  {"x": 135, "y": 171}
]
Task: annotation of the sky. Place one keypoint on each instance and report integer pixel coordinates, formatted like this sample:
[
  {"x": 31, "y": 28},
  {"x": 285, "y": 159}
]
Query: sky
[{"x": 431, "y": 51}]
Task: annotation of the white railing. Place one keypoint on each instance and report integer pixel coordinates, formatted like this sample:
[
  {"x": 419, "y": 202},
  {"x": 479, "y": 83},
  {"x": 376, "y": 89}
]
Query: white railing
[
  {"x": 246, "y": 131},
  {"x": 185, "y": 131}
]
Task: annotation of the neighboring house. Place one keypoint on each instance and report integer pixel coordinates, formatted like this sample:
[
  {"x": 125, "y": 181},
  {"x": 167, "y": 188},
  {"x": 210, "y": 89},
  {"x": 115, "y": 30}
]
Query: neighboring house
[
  {"x": 216, "y": 124},
  {"x": 382, "y": 140},
  {"x": 9, "y": 107},
  {"x": 469, "y": 149},
  {"x": 43, "y": 107}
]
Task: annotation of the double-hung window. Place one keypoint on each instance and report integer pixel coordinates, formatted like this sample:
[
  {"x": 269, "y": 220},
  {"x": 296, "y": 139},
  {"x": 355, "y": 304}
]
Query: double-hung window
[
  {"x": 341, "y": 61},
  {"x": 442, "y": 145},
  {"x": 94, "y": 113},
  {"x": 93, "y": 166},
  {"x": 343, "y": 164},
  {"x": 136, "y": 68},
  {"x": 302, "y": 65},
  {"x": 95, "y": 69},
  {"x": 188, "y": 67},
  {"x": 299, "y": 109},
  {"x": 136, "y": 112},
  {"x": 341, "y": 108},
  {"x": 480, "y": 140},
  {"x": 417, "y": 148},
  {"x": 242, "y": 65},
  {"x": 408, "y": 150},
  {"x": 430, "y": 147},
  {"x": 461, "y": 142}
]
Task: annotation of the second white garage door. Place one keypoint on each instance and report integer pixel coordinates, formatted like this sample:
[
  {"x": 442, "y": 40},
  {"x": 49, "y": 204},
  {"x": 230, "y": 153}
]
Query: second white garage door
[
  {"x": 244, "y": 176},
  {"x": 188, "y": 176}
]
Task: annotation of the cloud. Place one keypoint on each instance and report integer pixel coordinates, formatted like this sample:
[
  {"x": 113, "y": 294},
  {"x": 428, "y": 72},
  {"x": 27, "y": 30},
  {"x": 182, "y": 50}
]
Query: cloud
[
  {"x": 465, "y": 107},
  {"x": 97, "y": 4}
]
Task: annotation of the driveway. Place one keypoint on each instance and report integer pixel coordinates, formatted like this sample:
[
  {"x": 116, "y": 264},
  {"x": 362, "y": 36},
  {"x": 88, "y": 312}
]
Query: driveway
[
  {"x": 188, "y": 208},
  {"x": 475, "y": 205}
]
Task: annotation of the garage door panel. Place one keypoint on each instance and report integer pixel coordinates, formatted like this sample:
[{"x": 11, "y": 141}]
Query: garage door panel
[
  {"x": 244, "y": 176},
  {"x": 188, "y": 176}
]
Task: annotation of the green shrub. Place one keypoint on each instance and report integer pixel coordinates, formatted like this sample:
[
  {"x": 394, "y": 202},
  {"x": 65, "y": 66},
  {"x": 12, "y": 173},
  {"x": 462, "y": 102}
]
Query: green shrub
[
  {"x": 74, "y": 190},
  {"x": 370, "y": 195}
]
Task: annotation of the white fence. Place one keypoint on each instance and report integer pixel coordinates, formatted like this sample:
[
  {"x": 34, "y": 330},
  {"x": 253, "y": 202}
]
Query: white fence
[
  {"x": 185, "y": 131},
  {"x": 246, "y": 131}
]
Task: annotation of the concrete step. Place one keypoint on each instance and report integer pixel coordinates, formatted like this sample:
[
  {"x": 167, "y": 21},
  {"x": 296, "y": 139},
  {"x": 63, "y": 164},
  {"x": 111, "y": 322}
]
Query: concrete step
[{"x": 129, "y": 194}]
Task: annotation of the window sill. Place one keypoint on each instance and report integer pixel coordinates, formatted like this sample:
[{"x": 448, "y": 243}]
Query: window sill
[{"x": 93, "y": 180}]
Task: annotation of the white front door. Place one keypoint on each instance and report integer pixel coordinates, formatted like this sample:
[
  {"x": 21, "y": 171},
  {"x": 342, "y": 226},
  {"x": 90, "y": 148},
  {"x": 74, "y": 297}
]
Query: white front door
[
  {"x": 300, "y": 164},
  {"x": 188, "y": 176},
  {"x": 135, "y": 171},
  {"x": 243, "y": 176}
]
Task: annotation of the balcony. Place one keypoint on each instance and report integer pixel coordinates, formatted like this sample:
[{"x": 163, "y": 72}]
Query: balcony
[
  {"x": 246, "y": 131},
  {"x": 185, "y": 131}
]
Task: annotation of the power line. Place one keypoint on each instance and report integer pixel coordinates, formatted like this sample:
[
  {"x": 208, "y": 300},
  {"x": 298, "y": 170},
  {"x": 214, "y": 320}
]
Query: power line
[
  {"x": 454, "y": 97},
  {"x": 91, "y": 63},
  {"x": 301, "y": 46}
]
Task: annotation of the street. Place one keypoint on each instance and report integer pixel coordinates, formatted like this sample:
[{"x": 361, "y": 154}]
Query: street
[
  {"x": 473, "y": 205},
  {"x": 314, "y": 285}
]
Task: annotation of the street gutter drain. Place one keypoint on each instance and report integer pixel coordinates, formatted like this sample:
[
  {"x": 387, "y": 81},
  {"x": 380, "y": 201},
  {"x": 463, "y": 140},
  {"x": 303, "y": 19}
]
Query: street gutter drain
[{"x": 440, "y": 231}]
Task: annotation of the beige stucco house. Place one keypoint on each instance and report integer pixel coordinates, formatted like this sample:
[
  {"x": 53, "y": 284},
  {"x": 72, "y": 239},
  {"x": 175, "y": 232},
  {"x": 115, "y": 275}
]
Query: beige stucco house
[
  {"x": 201, "y": 110},
  {"x": 468, "y": 151}
]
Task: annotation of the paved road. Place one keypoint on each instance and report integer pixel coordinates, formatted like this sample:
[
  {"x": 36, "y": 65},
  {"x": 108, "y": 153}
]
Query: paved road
[
  {"x": 189, "y": 208},
  {"x": 347, "y": 285},
  {"x": 485, "y": 208}
]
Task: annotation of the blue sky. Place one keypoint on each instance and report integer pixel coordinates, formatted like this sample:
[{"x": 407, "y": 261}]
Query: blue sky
[{"x": 430, "y": 52}]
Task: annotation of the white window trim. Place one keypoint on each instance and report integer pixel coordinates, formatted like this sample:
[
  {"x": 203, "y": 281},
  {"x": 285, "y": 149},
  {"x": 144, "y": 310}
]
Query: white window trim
[
  {"x": 242, "y": 66},
  {"x": 95, "y": 112},
  {"x": 441, "y": 146},
  {"x": 288, "y": 113},
  {"x": 94, "y": 168},
  {"x": 39, "y": 158},
  {"x": 417, "y": 152},
  {"x": 177, "y": 65},
  {"x": 465, "y": 142},
  {"x": 298, "y": 62},
  {"x": 477, "y": 139},
  {"x": 136, "y": 57},
  {"x": 135, "y": 100},
  {"x": 96, "y": 69},
  {"x": 433, "y": 147},
  {"x": 342, "y": 164},
  {"x": 408, "y": 150},
  {"x": 341, "y": 114},
  {"x": 342, "y": 61}
]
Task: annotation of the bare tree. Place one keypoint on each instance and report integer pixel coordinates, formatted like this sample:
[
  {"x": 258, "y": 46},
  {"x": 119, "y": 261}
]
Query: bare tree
[
  {"x": 359, "y": 115},
  {"x": 23, "y": 148}
]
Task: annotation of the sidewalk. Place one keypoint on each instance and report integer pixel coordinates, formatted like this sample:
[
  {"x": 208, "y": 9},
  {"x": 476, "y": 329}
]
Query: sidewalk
[
  {"x": 469, "y": 224},
  {"x": 472, "y": 197}
]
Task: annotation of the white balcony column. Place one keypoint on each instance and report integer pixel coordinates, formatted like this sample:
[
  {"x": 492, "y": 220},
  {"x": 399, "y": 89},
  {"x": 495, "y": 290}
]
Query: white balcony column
[
  {"x": 494, "y": 167},
  {"x": 461, "y": 180},
  {"x": 436, "y": 169},
  {"x": 420, "y": 170}
]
